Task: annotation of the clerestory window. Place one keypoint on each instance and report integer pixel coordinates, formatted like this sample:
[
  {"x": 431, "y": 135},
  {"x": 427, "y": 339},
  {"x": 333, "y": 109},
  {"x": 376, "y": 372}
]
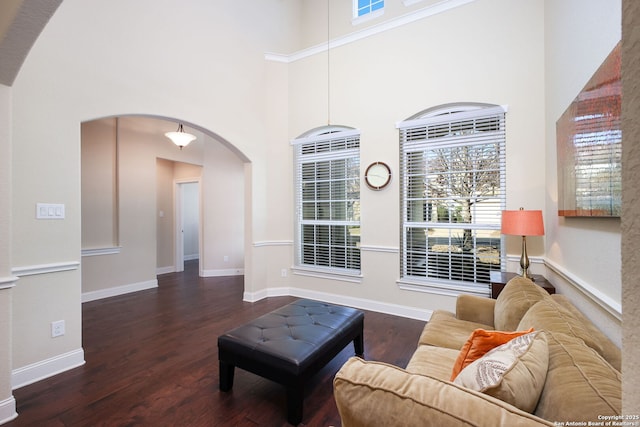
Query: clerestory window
[
  {"x": 327, "y": 193},
  {"x": 365, "y": 7},
  {"x": 452, "y": 194}
]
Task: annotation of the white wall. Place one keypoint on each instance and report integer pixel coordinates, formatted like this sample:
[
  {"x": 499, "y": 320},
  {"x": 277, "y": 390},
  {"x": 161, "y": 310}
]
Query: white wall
[
  {"x": 132, "y": 60},
  {"x": 7, "y": 401},
  {"x": 223, "y": 188},
  {"x": 583, "y": 253},
  {"x": 99, "y": 184},
  {"x": 168, "y": 173},
  {"x": 165, "y": 229},
  {"x": 488, "y": 51},
  {"x": 191, "y": 220},
  {"x": 146, "y": 187}
]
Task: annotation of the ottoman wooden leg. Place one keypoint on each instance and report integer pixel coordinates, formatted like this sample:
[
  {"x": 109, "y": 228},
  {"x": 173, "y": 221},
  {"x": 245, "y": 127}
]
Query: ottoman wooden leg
[
  {"x": 295, "y": 399},
  {"x": 226, "y": 376}
]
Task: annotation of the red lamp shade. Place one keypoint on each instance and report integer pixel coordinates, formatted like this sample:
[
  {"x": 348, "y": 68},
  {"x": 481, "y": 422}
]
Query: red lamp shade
[{"x": 522, "y": 223}]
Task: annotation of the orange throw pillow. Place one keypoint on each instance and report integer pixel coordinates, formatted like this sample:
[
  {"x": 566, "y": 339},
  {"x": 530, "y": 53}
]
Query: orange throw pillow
[{"x": 479, "y": 343}]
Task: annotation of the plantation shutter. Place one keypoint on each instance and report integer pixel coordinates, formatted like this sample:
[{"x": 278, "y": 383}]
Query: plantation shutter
[{"x": 452, "y": 195}]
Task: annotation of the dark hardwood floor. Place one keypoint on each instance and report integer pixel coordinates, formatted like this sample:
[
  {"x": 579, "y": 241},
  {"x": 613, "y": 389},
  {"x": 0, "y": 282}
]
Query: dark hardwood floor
[{"x": 152, "y": 360}]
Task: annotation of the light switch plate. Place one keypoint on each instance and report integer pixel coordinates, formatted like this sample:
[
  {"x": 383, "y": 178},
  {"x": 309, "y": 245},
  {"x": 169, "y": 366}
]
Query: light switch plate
[{"x": 49, "y": 211}]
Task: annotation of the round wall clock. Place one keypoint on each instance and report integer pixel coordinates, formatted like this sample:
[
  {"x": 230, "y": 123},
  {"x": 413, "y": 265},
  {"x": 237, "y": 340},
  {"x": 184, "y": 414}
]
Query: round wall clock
[{"x": 377, "y": 175}]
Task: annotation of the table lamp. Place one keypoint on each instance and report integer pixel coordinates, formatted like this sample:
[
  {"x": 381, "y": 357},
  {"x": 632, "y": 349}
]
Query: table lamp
[{"x": 523, "y": 223}]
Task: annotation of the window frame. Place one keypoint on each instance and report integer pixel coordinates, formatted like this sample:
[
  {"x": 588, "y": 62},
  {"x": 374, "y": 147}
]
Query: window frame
[
  {"x": 438, "y": 116},
  {"x": 370, "y": 14},
  {"x": 316, "y": 143}
]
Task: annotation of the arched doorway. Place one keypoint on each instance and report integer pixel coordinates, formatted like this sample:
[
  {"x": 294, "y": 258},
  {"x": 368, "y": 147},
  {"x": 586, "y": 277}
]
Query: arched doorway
[{"x": 129, "y": 173}]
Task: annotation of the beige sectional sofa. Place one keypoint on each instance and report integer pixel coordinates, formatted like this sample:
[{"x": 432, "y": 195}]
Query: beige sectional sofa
[{"x": 568, "y": 371}]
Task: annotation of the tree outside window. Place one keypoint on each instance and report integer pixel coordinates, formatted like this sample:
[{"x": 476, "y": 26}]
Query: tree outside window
[{"x": 453, "y": 175}]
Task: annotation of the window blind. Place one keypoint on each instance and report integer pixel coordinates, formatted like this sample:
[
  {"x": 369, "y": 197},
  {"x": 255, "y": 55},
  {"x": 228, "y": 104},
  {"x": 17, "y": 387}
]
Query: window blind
[
  {"x": 452, "y": 195},
  {"x": 327, "y": 184}
]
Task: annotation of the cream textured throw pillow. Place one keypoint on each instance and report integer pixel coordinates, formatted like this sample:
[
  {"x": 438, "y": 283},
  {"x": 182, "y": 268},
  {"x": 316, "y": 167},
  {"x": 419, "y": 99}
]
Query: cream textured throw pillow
[{"x": 514, "y": 372}]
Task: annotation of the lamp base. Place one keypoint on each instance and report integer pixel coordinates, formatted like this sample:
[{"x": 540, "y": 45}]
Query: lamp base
[
  {"x": 524, "y": 260},
  {"x": 528, "y": 275}
]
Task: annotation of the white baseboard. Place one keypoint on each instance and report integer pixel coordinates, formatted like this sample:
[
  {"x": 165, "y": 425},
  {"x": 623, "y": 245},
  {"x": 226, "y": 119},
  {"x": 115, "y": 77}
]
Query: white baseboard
[
  {"x": 46, "y": 368},
  {"x": 191, "y": 257},
  {"x": 361, "y": 303},
  {"x": 8, "y": 410},
  {"x": 223, "y": 272},
  {"x": 165, "y": 270},
  {"x": 119, "y": 290}
]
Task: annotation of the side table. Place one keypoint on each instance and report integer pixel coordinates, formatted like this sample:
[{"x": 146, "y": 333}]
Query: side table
[{"x": 499, "y": 279}]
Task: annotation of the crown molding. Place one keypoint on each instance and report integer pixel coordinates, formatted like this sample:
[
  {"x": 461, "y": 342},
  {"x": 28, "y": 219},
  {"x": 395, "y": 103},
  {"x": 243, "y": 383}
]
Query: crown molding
[{"x": 391, "y": 24}]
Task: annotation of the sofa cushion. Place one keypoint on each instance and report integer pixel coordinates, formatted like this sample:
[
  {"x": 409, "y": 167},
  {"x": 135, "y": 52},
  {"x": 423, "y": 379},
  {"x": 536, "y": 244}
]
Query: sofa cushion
[
  {"x": 518, "y": 295},
  {"x": 373, "y": 394},
  {"x": 475, "y": 308},
  {"x": 610, "y": 351},
  {"x": 514, "y": 372},
  {"x": 479, "y": 343},
  {"x": 445, "y": 330},
  {"x": 550, "y": 316},
  {"x": 580, "y": 384},
  {"x": 433, "y": 361}
]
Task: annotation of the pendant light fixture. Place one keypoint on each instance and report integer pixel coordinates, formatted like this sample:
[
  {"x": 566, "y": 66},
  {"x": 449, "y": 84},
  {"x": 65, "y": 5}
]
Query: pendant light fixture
[{"x": 180, "y": 137}]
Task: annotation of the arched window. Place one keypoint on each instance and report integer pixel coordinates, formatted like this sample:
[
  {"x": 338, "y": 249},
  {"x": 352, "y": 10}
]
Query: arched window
[
  {"x": 327, "y": 192},
  {"x": 452, "y": 194}
]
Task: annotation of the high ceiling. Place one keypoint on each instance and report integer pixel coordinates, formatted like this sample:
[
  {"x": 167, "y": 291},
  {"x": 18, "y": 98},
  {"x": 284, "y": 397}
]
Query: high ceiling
[{"x": 21, "y": 22}]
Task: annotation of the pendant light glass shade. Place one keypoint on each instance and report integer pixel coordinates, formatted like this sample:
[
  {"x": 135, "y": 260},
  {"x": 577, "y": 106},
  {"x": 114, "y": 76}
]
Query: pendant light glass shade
[{"x": 180, "y": 137}]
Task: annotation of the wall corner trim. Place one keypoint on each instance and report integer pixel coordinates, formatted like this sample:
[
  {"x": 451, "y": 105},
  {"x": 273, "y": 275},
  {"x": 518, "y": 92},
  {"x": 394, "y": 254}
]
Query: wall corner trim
[
  {"x": 56, "y": 267},
  {"x": 607, "y": 303},
  {"x": 111, "y": 250},
  {"x": 8, "y": 282}
]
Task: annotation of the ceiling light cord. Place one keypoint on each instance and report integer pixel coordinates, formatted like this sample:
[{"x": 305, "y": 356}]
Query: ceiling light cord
[{"x": 328, "y": 65}]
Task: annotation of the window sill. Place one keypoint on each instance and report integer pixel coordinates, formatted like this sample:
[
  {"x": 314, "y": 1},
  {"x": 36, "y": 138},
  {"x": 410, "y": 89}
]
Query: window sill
[
  {"x": 367, "y": 17},
  {"x": 321, "y": 273}
]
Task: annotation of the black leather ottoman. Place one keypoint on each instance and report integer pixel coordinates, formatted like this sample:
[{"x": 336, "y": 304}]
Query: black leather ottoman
[{"x": 289, "y": 345}]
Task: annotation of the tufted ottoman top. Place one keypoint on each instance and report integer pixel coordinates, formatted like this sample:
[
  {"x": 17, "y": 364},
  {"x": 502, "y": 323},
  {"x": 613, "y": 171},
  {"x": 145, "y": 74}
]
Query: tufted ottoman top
[{"x": 291, "y": 338}]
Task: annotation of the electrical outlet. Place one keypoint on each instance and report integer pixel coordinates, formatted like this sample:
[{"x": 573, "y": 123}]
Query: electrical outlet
[
  {"x": 283, "y": 272},
  {"x": 57, "y": 328}
]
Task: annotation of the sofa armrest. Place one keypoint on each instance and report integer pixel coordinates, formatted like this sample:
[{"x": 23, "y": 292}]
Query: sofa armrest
[
  {"x": 377, "y": 394},
  {"x": 475, "y": 309}
]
